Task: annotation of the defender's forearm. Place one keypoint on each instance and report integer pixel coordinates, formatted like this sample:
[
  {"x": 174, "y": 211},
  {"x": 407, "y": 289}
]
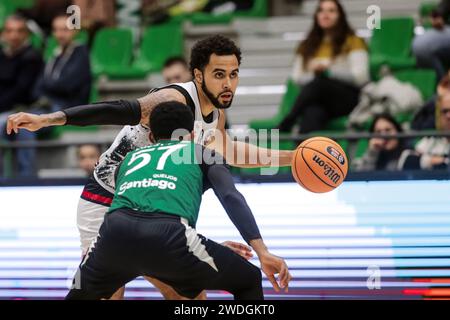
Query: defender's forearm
[{"x": 259, "y": 246}]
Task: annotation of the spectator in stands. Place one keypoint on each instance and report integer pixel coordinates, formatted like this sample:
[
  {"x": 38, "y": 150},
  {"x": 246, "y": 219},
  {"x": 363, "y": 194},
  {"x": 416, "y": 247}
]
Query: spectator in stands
[
  {"x": 175, "y": 70},
  {"x": 88, "y": 155},
  {"x": 432, "y": 49},
  {"x": 432, "y": 152},
  {"x": 425, "y": 119},
  {"x": 331, "y": 64},
  {"x": 20, "y": 64},
  {"x": 64, "y": 82},
  {"x": 382, "y": 154}
]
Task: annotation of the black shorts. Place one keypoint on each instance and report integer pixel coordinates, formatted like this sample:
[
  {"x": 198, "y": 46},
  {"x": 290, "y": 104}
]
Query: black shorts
[{"x": 162, "y": 246}]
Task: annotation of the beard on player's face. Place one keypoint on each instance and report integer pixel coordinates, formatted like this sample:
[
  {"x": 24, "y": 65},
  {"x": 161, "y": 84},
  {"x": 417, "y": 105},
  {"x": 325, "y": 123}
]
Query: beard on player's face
[{"x": 215, "y": 99}]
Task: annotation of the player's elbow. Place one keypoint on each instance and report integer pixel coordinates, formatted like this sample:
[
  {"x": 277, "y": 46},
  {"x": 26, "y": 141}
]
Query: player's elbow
[{"x": 232, "y": 197}]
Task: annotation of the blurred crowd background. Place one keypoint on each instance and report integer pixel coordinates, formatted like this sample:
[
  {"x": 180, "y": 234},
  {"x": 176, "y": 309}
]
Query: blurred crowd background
[{"x": 381, "y": 88}]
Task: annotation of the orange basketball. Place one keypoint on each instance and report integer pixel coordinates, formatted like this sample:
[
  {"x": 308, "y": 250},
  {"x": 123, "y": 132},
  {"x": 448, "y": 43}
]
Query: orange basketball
[{"x": 319, "y": 164}]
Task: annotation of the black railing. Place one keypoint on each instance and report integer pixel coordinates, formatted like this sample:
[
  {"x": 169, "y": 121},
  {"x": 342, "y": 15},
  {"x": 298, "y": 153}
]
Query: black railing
[
  {"x": 350, "y": 136},
  {"x": 6, "y": 148}
]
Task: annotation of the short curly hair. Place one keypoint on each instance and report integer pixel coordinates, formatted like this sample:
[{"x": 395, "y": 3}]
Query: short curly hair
[
  {"x": 217, "y": 44},
  {"x": 169, "y": 116}
]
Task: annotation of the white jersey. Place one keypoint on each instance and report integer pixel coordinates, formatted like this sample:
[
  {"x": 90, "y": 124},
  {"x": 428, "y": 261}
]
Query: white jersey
[{"x": 133, "y": 137}]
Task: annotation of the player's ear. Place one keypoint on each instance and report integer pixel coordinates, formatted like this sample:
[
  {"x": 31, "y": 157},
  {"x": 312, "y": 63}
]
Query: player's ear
[
  {"x": 198, "y": 75},
  {"x": 151, "y": 137}
]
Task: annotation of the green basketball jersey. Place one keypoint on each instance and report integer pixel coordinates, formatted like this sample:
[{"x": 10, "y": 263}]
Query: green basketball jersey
[{"x": 161, "y": 178}]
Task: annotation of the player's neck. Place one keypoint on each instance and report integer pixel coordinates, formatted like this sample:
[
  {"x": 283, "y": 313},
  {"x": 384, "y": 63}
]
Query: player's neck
[{"x": 205, "y": 104}]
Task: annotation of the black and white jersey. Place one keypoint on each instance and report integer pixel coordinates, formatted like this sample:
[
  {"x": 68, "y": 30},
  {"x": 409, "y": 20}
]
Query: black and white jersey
[{"x": 133, "y": 137}]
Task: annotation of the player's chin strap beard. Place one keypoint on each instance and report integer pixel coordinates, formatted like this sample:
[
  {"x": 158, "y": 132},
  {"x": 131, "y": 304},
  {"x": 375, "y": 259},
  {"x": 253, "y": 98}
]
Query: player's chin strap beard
[{"x": 215, "y": 101}]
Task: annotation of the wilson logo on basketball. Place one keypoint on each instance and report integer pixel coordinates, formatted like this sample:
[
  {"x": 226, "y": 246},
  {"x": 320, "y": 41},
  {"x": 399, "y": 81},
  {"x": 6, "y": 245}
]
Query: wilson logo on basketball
[
  {"x": 333, "y": 152},
  {"x": 328, "y": 170}
]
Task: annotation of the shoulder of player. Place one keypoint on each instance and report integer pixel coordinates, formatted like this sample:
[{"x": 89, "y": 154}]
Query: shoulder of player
[
  {"x": 163, "y": 95},
  {"x": 149, "y": 101}
]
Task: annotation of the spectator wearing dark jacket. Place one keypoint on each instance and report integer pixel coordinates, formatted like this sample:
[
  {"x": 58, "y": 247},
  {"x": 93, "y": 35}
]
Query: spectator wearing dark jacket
[
  {"x": 20, "y": 65},
  {"x": 425, "y": 119},
  {"x": 432, "y": 152},
  {"x": 64, "y": 82},
  {"x": 66, "y": 79}
]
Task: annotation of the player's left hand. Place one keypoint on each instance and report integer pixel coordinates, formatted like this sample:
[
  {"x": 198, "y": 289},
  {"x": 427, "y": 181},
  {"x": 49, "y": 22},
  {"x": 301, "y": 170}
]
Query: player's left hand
[
  {"x": 241, "y": 249},
  {"x": 271, "y": 265}
]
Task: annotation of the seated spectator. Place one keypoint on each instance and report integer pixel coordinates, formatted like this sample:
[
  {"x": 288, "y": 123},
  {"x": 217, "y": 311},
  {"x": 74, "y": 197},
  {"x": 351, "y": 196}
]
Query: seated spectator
[
  {"x": 432, "y": 49},
  {"x": 66, "y": 80},
  {"x": 425, "y": 119},
  {"x": 332, "y": 66},
  {"x": 175, "y": 70},
  {"x": 88, "y": 155},
  {"x": 382, "y": 154},
  {"x": 20, "y": 64},
  {"x": 432, "y": 152}
]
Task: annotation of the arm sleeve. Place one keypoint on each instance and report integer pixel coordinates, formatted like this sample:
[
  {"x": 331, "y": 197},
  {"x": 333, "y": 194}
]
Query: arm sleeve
[
  {"x": 231, "y": 199},
  {"x": 120, "y": 112}
]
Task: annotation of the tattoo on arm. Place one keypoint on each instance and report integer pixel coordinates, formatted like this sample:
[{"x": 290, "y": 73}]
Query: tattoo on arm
[
  {"x": 56, "y": 118},
  {"x": 151, "y": 100}
]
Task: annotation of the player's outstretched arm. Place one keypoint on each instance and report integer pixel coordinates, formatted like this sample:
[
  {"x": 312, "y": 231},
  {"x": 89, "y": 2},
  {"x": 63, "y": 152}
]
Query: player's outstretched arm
[
  {"x": 33, "y": 122},
  {"x": 242, "y": 217},
  {"x": 245, "y": 155},
  {"x": 257, "y": 157},
  {"x": 120, "y": 112}
]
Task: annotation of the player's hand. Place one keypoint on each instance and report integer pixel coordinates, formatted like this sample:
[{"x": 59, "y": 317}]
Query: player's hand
[
  {"x": 272, "y": 265},
  {"x": 241, "y": 249},
  {"x": 23, "y": 120}
]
